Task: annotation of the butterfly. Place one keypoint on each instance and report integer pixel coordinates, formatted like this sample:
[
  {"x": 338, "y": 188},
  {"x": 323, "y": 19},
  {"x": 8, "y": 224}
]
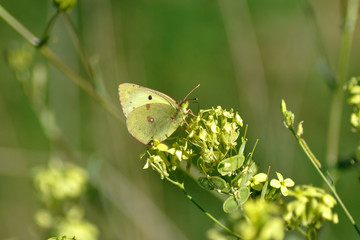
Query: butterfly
[{"x": 151, "y": 115}]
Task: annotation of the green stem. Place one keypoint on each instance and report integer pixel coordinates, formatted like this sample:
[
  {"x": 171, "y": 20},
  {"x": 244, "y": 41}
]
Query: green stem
[
  {"x": 341, "y": 77},
  {"x": 18, "y": 27},
  {"x": 301, "y": 231},
  {"x": 310, "y": 15},
  {"x": 79, "y": 45},
  {"x": 316, "y": 163},
  {"x": 52, "y": 57},
  {"x": 48, "y": 28},
  {"x": 81, "y": 82},
  {"x": 181, "y": 186}
]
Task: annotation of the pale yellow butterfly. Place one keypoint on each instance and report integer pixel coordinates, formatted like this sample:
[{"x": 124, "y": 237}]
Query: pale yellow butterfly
[{"x": 151, "y": 115}]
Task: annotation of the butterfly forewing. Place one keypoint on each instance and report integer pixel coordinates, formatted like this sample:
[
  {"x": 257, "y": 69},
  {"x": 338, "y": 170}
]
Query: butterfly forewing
[
  {"x": 154, "y": 121},
  {"x": 133, "y": 96}
]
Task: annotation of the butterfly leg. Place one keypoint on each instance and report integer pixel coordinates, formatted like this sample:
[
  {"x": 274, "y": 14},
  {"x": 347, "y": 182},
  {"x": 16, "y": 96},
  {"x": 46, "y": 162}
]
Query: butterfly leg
[{"x": 191, "y": 113}]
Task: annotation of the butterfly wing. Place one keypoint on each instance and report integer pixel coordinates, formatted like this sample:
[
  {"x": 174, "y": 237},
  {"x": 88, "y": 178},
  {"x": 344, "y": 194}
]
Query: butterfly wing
[
  {"x": 154, "y": 121},
  {"x": 133, "y": 96}
]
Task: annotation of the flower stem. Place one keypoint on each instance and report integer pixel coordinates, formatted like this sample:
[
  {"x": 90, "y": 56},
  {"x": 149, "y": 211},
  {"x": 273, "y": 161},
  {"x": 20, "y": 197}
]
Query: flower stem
[
  {"x": 79, "y": 45},
  {"x": 181, "y": 186},
  {"x": 47, "y": 31},
  {"x": 81, "y": 82},
  {"x": 319, "y": 40},
  {"x": 302, "y": 231},
  {"x": 316, "y": 163},
  {"x": 18, "y": 27},
  {"x": 341, "y": 77}
]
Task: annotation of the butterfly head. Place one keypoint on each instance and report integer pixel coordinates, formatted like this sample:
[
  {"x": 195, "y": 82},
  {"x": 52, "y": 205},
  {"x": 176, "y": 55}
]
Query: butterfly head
[{"x": 184, "y": 105}]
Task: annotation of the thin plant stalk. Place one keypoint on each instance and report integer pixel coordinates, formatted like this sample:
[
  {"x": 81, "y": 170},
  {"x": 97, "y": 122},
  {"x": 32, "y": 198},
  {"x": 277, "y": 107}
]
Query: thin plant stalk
[
  {"x": 48, "y": 29},
  {"x": 181, "y": 186},
  {"x": 311, "y": 17},
  {"x": 316, "y": 165},
  {"x": 18, "y": 27},
  {"x": 341, "y": 78},
  {"x": 79, "y": 45}
]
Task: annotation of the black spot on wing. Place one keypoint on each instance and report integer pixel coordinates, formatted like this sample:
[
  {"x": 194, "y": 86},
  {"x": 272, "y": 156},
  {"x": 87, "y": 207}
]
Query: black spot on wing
[{"x": 150, "y": 97}]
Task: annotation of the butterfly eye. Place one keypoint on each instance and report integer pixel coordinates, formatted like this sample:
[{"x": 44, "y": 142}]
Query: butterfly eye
[{"x": 149, "y": 97}]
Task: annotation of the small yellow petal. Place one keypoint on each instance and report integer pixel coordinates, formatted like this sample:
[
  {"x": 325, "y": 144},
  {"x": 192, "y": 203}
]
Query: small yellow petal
[
  {"x": 162, "y": 147},
  {"x": 275, "y": 183},
  {"x": 355, "y": 89},
  {"x": 335, "y": 218},
  {"x": 260, "y": 177},
  {"x": 257, "y": 187},
  {"x": 329, "y": 200},
  {"x": 289, "y": 182},
  {"x": 354, "y": 99},
  {"x": 284, "y": 191},
  {"x": 239, "y": 120},
  {"x": 280, "y": 176}
]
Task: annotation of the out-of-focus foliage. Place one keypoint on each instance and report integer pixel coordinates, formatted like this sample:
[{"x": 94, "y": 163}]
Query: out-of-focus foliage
[{"x": 60, "y": 187}]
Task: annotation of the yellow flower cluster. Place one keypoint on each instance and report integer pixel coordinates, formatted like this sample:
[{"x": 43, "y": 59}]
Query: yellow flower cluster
[
  {"x": 60, "y": 186},
  {"x": 311, "y": 207},
  {"x": 353, "y": 88},
  {"x": 213, "y": 134},
  {"x": 264, "y": 221}
]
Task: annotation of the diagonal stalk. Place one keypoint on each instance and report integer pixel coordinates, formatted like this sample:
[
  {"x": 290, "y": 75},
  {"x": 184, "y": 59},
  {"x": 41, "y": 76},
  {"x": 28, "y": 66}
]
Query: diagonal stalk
[
  {"x": 317, "y": 166},
  {"x": 181, "y": 186}
]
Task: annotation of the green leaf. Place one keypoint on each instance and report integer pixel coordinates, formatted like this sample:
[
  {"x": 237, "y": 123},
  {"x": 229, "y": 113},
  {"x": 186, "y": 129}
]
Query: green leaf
[
  {"x": 245, "y": 179},
  {"x": 218, "y": 183},
  {"x": 212, "y": 183},
  {"x": 244, "y": 194},
  {"x": 231, "y": 164},
  {"x": 205, "y": 183},
  {"x": 263, "y": 192},
  {"x": 230, "y": 205},
  {"x": 236, "y": 180},
  {"x": 242, "y": 147}
]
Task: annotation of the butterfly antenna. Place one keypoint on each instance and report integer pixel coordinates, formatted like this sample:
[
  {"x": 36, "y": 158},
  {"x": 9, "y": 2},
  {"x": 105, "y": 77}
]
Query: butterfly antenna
[{"x": 190, "y": 92}]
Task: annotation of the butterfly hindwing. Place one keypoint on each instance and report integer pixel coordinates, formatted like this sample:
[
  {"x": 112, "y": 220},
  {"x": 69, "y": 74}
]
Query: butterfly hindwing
[{"x": 154, "y": 121}]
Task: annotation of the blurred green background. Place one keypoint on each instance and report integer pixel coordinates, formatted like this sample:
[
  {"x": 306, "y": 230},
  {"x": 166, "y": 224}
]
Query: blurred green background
[{"x": 246, "y": 55}]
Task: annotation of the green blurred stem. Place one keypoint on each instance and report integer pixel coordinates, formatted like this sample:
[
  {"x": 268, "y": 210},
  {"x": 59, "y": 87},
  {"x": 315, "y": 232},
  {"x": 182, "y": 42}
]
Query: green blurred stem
[
  {"x": 81, "y": 82},
  {"x": 302, "y": 231},
  {"x": 317, "y": 166},
  {"x": 341, "y": 77},
  {"x": 79, "y": 45},
  {"x": 52, "y": 57},
  {"x": 48, "y": 29},
  {"x": 311, "y": 16},
  {"x": 181, "y": 186},
  {"x": 18, "y": 27}
]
